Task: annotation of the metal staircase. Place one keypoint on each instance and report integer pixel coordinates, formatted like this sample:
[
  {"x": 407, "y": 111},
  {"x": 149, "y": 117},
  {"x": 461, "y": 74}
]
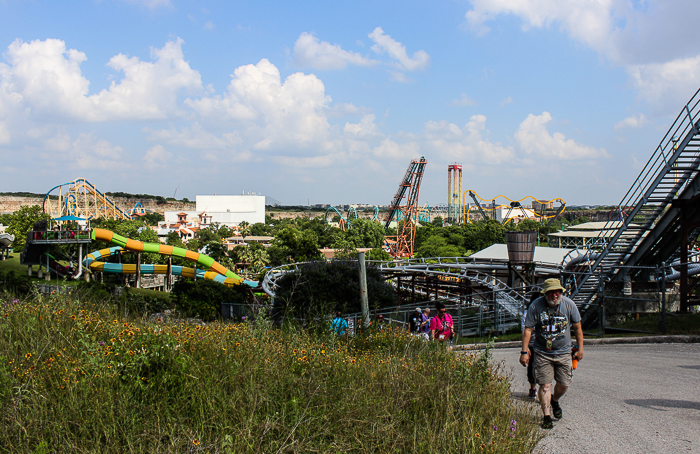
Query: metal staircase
[{"x": 671, "y": 170}]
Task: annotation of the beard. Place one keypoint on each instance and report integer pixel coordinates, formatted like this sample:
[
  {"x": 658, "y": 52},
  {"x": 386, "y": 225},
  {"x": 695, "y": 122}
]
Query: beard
[{"x": 554, "y": 300}]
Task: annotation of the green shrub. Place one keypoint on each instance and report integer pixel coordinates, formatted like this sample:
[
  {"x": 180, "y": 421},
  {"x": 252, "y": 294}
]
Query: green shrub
[
  {"x": 320, "y": 288},
  {"x": 203, "y": 298}
]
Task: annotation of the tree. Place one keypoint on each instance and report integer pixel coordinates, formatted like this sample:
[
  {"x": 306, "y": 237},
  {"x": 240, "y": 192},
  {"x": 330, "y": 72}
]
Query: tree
[
  {"x": 365, "y": 233},
  {"x": 203, "y": 298},
  {"x": 320, "y": 288},
  {"x": 244, "y": 229},
  {"x": 22, "y": 221},
  {"x": 152, "y": 218},
  {"x": 292, "y": 245},
  {"x": 259, "y": 229}
]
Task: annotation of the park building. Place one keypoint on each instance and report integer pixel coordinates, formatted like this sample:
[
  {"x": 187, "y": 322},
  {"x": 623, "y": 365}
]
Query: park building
[{"x": 228, "y": 210}]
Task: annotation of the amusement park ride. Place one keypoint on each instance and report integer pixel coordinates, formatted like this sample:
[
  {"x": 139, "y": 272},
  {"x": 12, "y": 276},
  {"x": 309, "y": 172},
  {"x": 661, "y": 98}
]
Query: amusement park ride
[
  {"x": 409, "y": 188},
  {"x": 81, "y": 199},
  {"x": 515, "y": 208}
]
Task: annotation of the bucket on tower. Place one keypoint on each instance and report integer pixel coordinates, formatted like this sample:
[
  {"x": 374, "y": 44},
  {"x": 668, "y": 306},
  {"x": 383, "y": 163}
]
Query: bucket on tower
[{"x": 521, "y": 246}]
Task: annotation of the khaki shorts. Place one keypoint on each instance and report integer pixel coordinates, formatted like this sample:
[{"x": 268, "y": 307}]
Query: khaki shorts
[{"x": 548, "y": 368}]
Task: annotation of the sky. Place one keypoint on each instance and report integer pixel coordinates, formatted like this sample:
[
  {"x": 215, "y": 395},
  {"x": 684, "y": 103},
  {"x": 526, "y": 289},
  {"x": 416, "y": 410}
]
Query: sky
[{"x": 328, "y": 102}]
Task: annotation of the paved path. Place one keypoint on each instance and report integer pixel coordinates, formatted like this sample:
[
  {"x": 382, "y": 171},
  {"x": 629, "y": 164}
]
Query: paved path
[{"x": 625, "y": 399}]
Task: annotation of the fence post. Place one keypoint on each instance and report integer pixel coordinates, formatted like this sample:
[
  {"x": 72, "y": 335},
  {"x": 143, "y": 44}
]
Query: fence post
[
  {"x": 663, "y": 299},
  {"x": 363, "y": 290},
  {"x": 601, "y": 308}
]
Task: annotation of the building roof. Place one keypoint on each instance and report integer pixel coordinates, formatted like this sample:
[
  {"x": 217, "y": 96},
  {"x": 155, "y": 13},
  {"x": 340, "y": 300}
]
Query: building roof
[
  {"x": 542, "y": 253},
  {"x": 610, "y": 225}
]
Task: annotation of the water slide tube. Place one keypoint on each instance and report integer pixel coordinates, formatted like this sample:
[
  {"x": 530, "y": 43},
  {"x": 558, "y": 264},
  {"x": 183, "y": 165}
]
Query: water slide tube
[{"x": 216, "y": 271}]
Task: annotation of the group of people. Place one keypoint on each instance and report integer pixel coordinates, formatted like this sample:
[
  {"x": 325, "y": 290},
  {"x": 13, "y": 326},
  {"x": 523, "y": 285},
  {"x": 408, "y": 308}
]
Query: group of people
[{"x": 440, "y": 327}]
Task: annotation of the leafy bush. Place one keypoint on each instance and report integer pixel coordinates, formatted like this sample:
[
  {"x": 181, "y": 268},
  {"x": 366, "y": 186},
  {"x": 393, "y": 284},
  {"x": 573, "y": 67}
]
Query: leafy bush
[
  {"x": 203, "y": 298},
  {"x": 321, "y": 287},
  {"x": 16, "y": 283},
  {"x": 144, "y": 302}
]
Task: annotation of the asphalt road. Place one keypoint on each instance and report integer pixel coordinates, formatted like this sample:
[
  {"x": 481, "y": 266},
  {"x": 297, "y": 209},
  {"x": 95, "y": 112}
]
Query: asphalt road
[{"x": 624, "y": 399}]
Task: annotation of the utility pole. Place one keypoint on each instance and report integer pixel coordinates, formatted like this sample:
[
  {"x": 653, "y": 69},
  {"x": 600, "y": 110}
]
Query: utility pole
[{"x": 363, "y": 290}]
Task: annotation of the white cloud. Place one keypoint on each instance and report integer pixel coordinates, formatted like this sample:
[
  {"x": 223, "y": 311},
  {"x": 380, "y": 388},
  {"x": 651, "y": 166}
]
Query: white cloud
[
  {"x": 390, "y": 149},
  {"x": 152, "y": 4},
  {"x": 653, "y": 40},
  {"x": 157, "y": 157},
  {"x": 309, "y": 52},
  {"x": 365, "y": 129},
  {"x": 209, "y": 25},
  {"x": 47, "y": 79},
  {"x": 195, "y": 137},
  {"x": 87, "y": 153},
  {"x": 666, "y": 86},
  {"x": 469, "y": 143},
  {"x": 534, "y": 139},
  {"x": 635, "y": 121},
  {"x": 506, "y": 101},
  {"x": 397, "y": 51},
  {"x": 269, "y": 112},
  {"x": 589, "y": 22},
  {"x": 307, "y": 162},
  {"x": 149, "y": 90},
  {"x": 463, "y": 100},
  {"x": 4, "y": 134}
]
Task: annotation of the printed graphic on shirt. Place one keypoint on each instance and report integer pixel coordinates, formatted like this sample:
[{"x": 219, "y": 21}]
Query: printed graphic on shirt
[{"x": 553, "y": 326}]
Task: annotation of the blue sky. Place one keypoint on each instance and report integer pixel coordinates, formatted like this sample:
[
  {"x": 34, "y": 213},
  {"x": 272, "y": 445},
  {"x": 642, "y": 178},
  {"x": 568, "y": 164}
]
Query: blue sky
[{"x": 327, "y": 102}]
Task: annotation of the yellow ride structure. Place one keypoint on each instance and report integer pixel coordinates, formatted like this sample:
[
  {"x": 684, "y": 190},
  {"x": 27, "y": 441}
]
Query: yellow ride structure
[
  {"x": 514, "y": 206},
  {"x": 81, "y": 199}
]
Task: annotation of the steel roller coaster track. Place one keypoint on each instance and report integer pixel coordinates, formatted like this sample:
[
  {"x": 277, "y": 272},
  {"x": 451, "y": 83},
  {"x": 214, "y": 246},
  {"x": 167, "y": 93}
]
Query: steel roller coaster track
[
  {"x": 514, "y": 205},
  {"x": 82, "y": 199}
]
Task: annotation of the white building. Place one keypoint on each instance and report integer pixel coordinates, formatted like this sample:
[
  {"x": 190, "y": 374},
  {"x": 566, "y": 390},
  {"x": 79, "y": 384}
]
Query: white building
[{"x": 228, "y": 210}]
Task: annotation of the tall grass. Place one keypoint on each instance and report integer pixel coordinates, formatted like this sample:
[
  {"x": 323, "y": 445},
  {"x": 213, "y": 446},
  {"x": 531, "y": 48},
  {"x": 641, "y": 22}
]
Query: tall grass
[{"x": 78, "y": 376}]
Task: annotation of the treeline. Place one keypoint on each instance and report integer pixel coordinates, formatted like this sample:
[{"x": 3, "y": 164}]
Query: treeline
[
  {"x": 157, "y": 198},
  {"x": 32, "y": 195},
  {"x": 434, "y": 240}
]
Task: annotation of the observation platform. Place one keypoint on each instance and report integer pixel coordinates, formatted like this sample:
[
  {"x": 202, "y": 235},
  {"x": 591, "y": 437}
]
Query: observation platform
[{"x": 59, "y": 237}]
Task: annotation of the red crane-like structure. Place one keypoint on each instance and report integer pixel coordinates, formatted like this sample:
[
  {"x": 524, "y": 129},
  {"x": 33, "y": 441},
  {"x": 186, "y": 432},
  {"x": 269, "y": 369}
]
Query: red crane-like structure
[{"x": 409, "y": 189}]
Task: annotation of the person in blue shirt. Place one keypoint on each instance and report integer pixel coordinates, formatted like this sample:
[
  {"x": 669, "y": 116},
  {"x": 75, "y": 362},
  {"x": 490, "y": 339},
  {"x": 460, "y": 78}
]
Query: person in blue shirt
[{"x": 339, "y": 324}]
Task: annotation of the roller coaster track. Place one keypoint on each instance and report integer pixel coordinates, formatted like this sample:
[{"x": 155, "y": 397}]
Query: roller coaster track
[
  {"x": 345, "y": 222},
  {"x": 82, "y": 199},
  {"x": 649, "y": 223},
  {"x": 409, "y": 188},
  {"x": 514, "y": 205},
  {"x": 478, "y": 272}
]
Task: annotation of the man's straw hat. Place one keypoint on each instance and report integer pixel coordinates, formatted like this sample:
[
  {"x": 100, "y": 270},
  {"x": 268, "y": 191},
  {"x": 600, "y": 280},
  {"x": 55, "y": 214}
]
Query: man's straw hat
[{"x": 552, "y": 284}]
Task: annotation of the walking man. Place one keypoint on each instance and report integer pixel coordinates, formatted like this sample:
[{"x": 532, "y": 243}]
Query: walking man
[{"x": 552, "y": 317}]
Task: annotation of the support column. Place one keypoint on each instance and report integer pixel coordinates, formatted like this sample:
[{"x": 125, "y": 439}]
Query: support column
[{"x": 138, "y": 270}]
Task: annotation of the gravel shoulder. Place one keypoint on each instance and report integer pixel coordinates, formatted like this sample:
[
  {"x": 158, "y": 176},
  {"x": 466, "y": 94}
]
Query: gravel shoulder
[{"x": 625, "y": 398}]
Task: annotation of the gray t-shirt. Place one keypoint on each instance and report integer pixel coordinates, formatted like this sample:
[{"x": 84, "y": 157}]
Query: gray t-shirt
[{"x": 552, "y": 323}]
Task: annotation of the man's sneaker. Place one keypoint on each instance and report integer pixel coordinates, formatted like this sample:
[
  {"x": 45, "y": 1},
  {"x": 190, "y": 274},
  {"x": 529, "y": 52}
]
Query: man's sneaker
[
  {"x": 532, "y": 394},
  {"x": 547, "y": 422},
  {"x": 556, "y": 410}
]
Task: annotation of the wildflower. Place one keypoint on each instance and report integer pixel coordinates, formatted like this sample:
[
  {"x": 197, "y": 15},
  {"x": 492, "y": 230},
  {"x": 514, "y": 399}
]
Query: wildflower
[
  {"x": 514, "y": 422},
  {"x": 495, "y": 427},
  {"x": 477, "y": 435},
  {"x": 28, "y": 355},
  {"x": 195, "y": 442}
]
